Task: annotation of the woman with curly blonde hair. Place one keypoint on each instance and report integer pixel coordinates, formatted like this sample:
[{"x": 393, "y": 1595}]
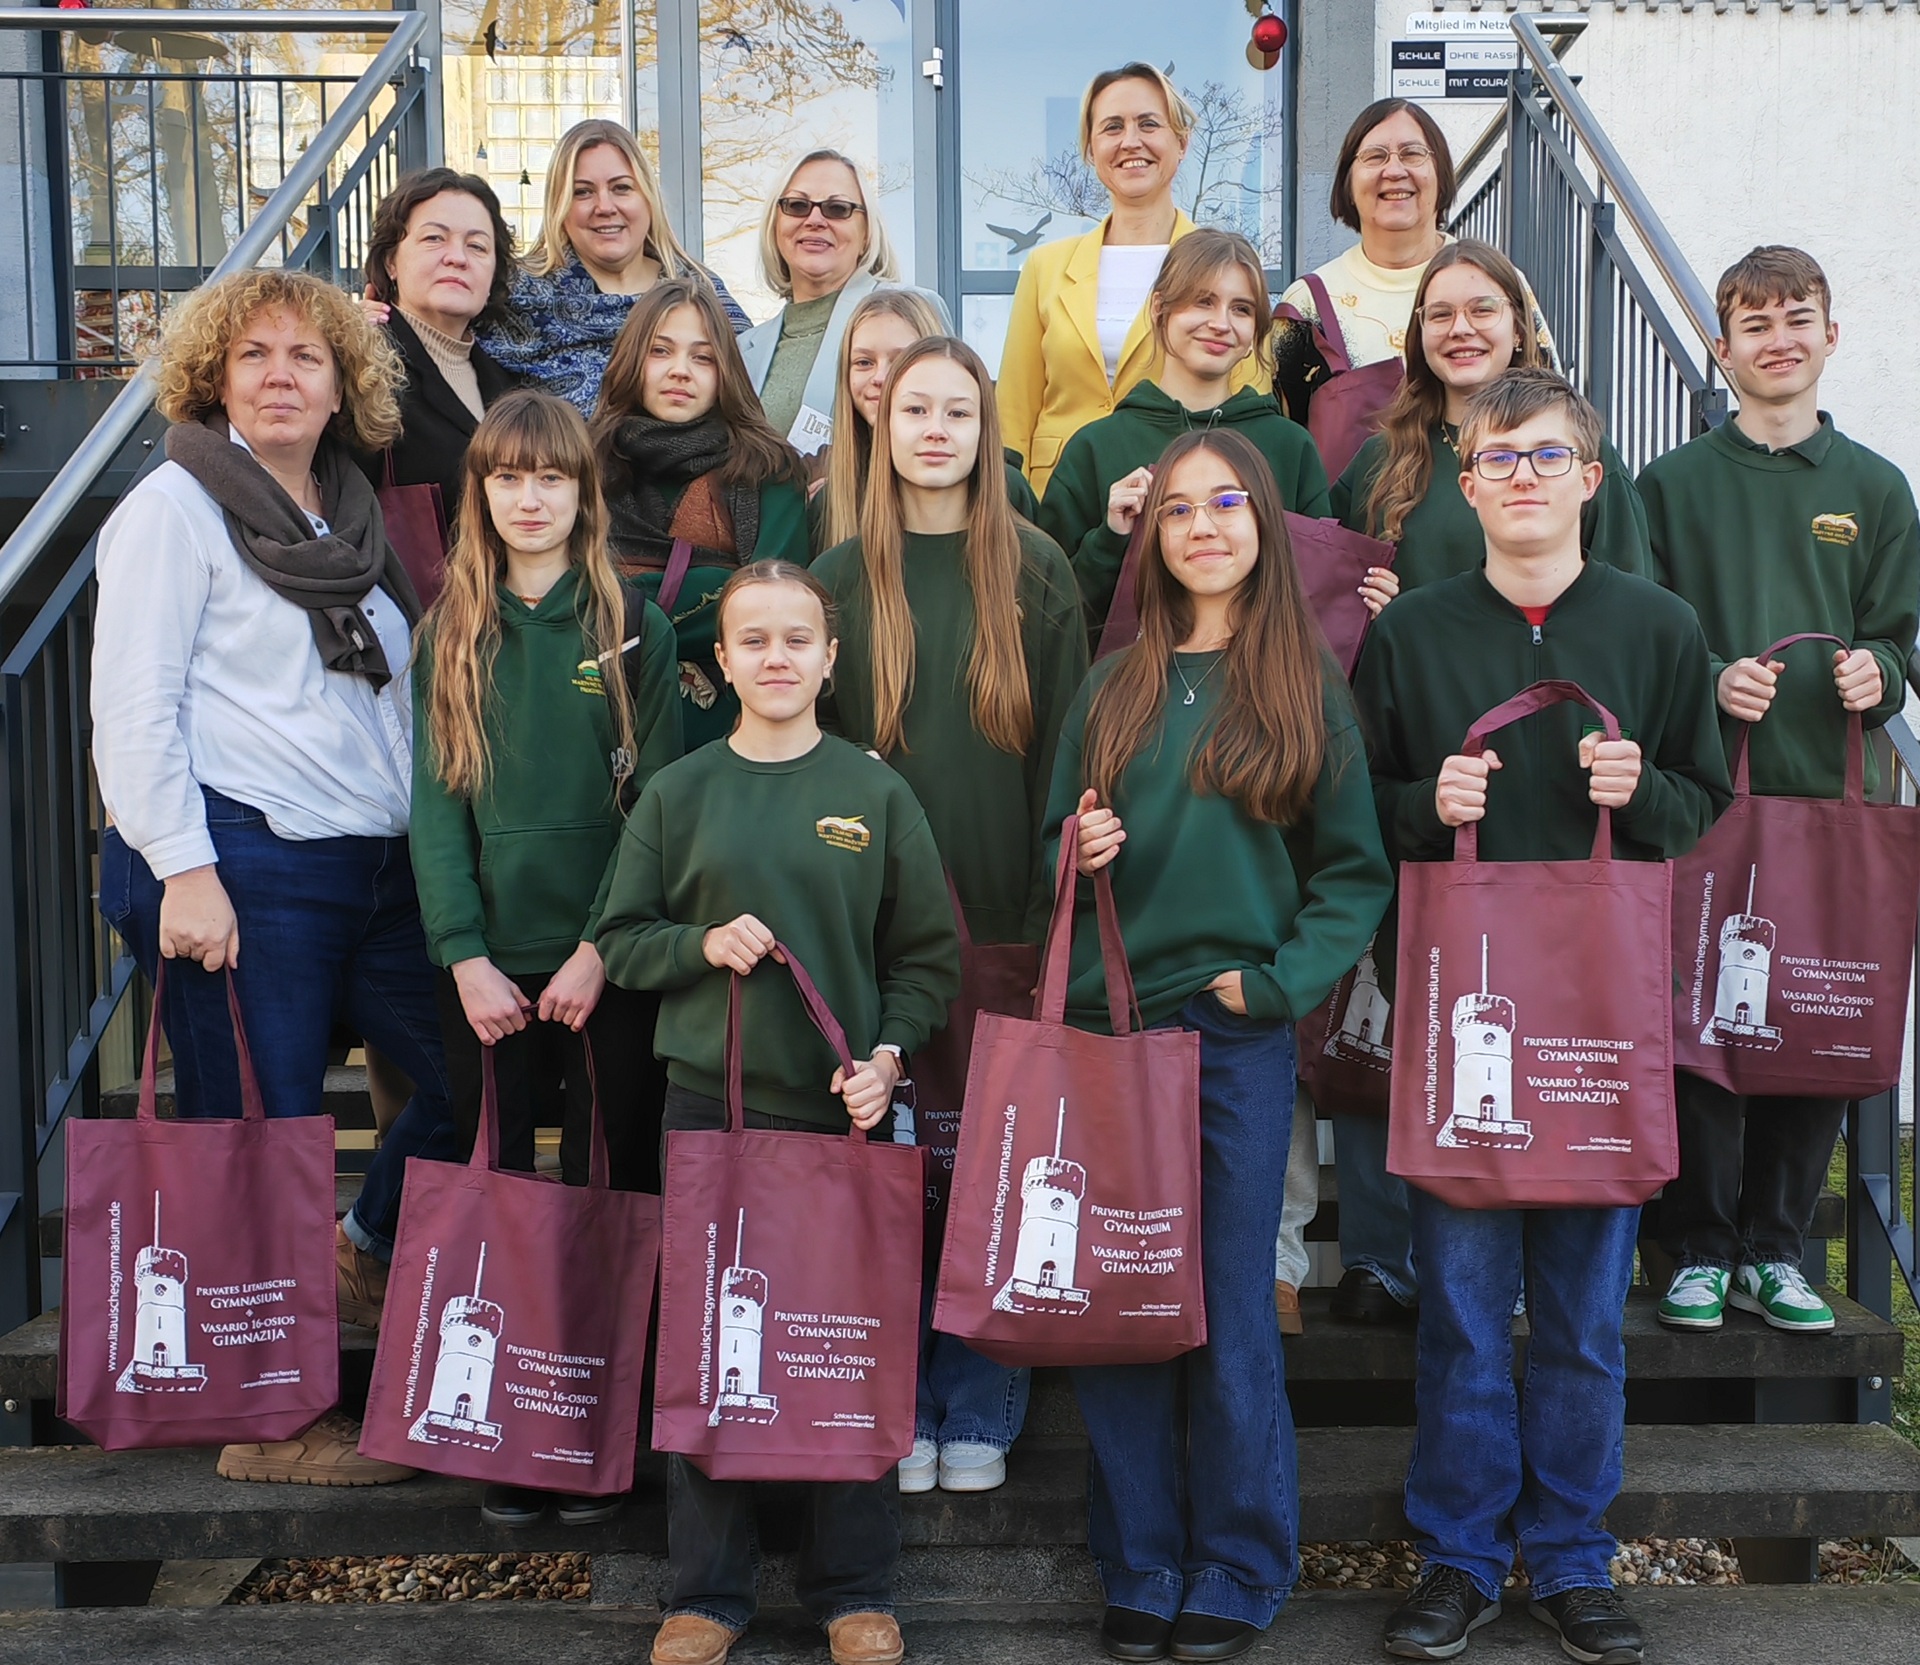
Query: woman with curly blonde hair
[{"x": 253, "y": 735}]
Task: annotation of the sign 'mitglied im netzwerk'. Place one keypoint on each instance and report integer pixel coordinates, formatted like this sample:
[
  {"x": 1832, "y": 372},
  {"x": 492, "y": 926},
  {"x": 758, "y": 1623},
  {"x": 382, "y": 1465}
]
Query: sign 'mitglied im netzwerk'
[{"x": 1453, "y": 55}]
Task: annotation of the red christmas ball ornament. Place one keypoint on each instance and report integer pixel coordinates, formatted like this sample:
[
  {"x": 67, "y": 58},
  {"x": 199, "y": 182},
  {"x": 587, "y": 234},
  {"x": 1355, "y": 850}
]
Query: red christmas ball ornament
[{"x": 1269, "y": 33}]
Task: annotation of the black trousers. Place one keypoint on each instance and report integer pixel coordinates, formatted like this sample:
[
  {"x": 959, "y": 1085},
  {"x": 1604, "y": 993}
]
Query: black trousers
[
  {"x": 1751, "y": 1171},
  {"x": 542, "y": 1076},
  {"x": 849, "y": 1530}
]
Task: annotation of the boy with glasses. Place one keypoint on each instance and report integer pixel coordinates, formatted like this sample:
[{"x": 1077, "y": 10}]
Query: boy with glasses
[
  {"x": 1773, "y": 524},
  {"x": 1491, "y": 1474}
]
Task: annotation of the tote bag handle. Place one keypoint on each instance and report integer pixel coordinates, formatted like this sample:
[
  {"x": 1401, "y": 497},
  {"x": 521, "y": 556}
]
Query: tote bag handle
[
  {"x": 1856, "y": 793},
  {"x": 1122, "y": 628},
  {"x": 817, "y": 1011},
  {"x": 679, "y": 560},
  {"x": 1540, "y": 697},
  {"x": 486, "y": 1143},
  {"x": 252, "y": 1106},
  {"x": 1123, "y": 1006}
]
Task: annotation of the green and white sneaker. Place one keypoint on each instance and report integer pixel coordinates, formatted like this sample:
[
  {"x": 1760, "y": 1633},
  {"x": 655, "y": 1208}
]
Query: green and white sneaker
[
  {"x": 1781, "y": 1296},
  {"x": 1696, "y": 1299}
]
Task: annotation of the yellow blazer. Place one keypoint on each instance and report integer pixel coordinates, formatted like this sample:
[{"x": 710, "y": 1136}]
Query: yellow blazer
[{"x": 1053, "y": 379}]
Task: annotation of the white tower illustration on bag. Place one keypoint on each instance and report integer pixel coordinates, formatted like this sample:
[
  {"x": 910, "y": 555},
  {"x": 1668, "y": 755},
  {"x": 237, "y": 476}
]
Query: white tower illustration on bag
[
  {"x": 743, "y": 1318},
  {"x": 1746, "y": 969},
  {"x": 1482, "y": 1116},
  {"x": 456, "y": 1412},
  {"x": 159, "y": 1362},
  {"x": 1044, "y": 1259},
  {"x": 1362, "y": 1033}
]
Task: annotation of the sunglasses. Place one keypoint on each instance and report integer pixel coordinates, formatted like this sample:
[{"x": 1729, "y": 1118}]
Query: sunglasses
[{"x": 831, "y": 208}]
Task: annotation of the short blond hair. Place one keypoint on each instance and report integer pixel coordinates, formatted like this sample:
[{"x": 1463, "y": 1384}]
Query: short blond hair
[
  {"x": 195, "y": 342},
  {"x": 1515, "y": 397},
  {"x": 555, "y": 246},
  {"x": 1180, "y": 114},
  {"x": 877, "y": 259}
]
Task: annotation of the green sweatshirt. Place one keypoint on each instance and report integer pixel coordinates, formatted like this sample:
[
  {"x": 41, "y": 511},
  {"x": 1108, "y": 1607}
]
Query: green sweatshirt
[
  {"x": 985, "y": 805},
  {"x": 1442, "y": 535},
  {"x": 519, "y": 873},
  {"x": 1144, "y": 424},
  {"x": 1019, "y": 494},
  {"x": 1203, "y": 887},
  {"x": 1765, "y": 544},
  {"x": 833, "y": 854},
  {"x": 1437, "y": 659}
]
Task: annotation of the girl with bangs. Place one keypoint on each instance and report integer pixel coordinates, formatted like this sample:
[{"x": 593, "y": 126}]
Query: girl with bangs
[
  {"x": 1216, "y": 766},
  {"x": 698, "y": 484},
  {"x": 961, "y": 649},
  {"x": 544, "y": 695}
]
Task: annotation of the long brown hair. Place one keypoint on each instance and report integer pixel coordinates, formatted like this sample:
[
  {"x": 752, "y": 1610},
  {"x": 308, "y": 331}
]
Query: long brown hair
[
  {"x": 997, "y": 672},
  {"x": 1191, "y": 272},
  {"x": 1420, "y": 405},
  {"x": 1266, "y": 749},
  {"x": 851, "y": 453},
  {"x": 756, "y": 455},
  {"x": 525, "y": 430}
]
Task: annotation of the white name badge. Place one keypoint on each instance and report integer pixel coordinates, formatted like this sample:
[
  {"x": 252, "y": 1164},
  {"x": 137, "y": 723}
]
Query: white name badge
[{"x": 811, "y": 430}]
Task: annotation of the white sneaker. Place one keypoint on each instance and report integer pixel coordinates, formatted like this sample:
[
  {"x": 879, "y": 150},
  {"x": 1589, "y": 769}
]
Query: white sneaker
[
  {"x": 921, "y": 1471},
  {"x": 967, "y": 1467},
  {"x": 1781, "y": 1295},
  {"x": 1696, "y": 1299}
]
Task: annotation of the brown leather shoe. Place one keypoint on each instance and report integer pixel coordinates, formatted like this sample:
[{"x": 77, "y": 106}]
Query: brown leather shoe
[
  {"x": 327, "y": 1454},
  {"x": 1286, "y": 1307},
  {"x": 361, "y": 1280},
  {"x": 689, "y": 1639},
  {"x": 865, "y": 1639}
]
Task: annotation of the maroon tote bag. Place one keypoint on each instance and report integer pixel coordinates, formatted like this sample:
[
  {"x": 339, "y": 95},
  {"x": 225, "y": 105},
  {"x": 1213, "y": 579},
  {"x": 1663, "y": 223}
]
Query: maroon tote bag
[
  {"x": 516, "y": 1331},
  {"x": 197, "y": 1288},
  {"x": 1073, "y": 1236},
  {"x": 789, "y": 1290},
  {"x": 1345, "y": 1043},
  {"x": 1344, "y": 412},
  {"x": 416, "y": 525},
  {"x": 1787, "y": 984},
  {"x": 1535, "y": 1068}
]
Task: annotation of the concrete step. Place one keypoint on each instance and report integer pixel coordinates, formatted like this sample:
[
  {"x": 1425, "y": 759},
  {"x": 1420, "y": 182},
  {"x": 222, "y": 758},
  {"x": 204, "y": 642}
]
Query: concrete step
[
  {"x": 1782, "y": 1481},
  {"x": 1811, "y": 1626}
]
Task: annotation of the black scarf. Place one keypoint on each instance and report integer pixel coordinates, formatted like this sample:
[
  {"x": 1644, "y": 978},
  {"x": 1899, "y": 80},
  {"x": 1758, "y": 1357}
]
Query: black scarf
[
  {"x": 327, "y": 576},
  {"x": 663, "y": 457}
]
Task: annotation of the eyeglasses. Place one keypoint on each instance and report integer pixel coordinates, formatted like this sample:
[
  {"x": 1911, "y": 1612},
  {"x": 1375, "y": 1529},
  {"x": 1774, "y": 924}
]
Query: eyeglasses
[
  {"x": 831, "y": 208},
  {"x": 1177, "y": 516},
  {"x": 1408, "y": 156},
  {"x": 1549, "y": 462},
  {"x": 1482, "y": 309}
]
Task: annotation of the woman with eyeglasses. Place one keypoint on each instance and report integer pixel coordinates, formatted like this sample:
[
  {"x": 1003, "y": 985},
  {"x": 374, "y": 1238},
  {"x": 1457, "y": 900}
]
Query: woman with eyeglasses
[
  {"x": 1080, "y": 337},
  {"x": 822, "y": 249}
]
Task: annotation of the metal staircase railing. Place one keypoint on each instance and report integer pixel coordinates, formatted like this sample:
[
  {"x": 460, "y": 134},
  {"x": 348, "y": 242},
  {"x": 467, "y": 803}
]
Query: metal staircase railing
[{"x": 62, "y": 972}]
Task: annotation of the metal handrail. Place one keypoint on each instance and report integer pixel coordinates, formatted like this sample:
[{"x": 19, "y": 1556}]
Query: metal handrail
[
  {"x": 95, "y": 454},
  {"x": 1565, "y": 31}
]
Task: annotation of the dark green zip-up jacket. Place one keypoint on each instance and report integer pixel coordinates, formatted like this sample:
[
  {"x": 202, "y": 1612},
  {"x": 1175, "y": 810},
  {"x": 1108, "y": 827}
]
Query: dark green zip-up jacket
[{"x": 1437, "y": 659}]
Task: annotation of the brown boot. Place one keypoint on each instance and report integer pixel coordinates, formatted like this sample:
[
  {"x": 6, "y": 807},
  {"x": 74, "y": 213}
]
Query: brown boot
[
  {"x": 865, "y": 1639},
  {"x": 360, "y": 1279},
  {"x": 689, "y": 1639},
  {"x": 1286, "y": 1307},
  {"x": 327, "y": 1454}
]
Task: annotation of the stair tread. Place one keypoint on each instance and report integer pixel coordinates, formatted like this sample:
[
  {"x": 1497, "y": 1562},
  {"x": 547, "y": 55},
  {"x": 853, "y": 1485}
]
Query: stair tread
[
  {"x": 343, "y": 1095},
  {"x": 1817, "y": 1625},
  {"x": 1786, "y": 1480}
]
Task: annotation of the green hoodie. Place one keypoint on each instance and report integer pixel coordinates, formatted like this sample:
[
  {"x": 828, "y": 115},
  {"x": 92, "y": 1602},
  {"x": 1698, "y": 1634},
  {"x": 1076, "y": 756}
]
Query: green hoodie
[
  {"x": 519, "y": 873},
  {"x": 1819, "y": 536},
  {"x": 1442, "y": 534},
  {"x": 1074, "y": 511}
]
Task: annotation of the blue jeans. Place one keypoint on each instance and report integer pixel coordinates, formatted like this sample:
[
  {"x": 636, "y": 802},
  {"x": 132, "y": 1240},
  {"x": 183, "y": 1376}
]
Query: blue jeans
[
  {"x": 1494, "y": 1469},
  {"x": 963, "y": 1395},
  {"x": 1196, "y": 1497},
  {"x": 1374, "y": 1229},
  {"x": 329, "y": 930}
]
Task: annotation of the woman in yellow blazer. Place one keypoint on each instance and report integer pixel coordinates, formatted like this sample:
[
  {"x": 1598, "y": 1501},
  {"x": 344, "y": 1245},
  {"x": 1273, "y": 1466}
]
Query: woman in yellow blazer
[{"x": 1080, "y": 337}]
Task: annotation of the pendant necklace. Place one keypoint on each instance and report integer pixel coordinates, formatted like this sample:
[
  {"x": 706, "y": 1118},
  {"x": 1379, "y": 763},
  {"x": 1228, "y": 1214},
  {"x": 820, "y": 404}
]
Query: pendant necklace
[{"x": 1193, "y": 688}]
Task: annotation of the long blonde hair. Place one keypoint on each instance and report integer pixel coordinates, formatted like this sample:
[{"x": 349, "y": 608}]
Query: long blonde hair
[
  {"x": 525, "y": 430},
  {"x": 1002, "y": 699},
  {"x": 877, "y": 258},
  {"x": 852, "y": 449},
  {"x": 555, "y": 246}
]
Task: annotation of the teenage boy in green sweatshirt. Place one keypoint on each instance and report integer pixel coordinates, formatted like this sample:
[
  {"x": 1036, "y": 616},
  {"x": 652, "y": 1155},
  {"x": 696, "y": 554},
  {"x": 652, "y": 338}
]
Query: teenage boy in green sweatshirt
[
  {"x": 1773, "y": 524},
  {"x": 1486, "y": 1477}
]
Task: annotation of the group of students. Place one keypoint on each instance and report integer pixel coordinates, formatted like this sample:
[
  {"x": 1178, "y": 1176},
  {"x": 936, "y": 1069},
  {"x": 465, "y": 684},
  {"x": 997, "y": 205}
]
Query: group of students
[{"x": 682, "y": 698}]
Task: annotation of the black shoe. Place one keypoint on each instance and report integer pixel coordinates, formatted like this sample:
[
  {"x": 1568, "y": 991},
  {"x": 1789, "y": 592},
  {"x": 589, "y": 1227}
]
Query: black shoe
[
  {"x": 1361, "y": 1298},
  {"x": 1206, "y": 1636},
  {"x": 1594, "y": 1626},
  {"x": 1434, "y": 1622},
  {"x": 513, "y": 1505},
  {"x": 588, "y": 1511},
  {"x": 1127, "y": 1633}
]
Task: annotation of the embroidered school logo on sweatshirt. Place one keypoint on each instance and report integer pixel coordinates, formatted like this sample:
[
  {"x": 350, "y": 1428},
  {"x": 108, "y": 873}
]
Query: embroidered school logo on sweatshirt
[
  {"x": 586, "y": 677},
  {"x": 1836, "y": 528},
  {"x": 844, "y": 832}
]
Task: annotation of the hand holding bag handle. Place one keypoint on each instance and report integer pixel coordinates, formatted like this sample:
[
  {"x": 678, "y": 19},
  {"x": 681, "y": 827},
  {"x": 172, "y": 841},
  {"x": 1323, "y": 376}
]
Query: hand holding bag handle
[
  {"x": 1050, "y": 1005},
  {"x": 817, "y": 1010},
  {"x": 252, "y": 1106},
  {"x": 1856, "y": 792},
  {"x": 1541, "y": 696},
  {"x": 486, "y": 1142}
]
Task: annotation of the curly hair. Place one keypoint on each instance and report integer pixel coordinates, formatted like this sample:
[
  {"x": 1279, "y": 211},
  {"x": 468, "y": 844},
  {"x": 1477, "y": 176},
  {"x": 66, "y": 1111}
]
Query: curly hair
[{"x": 194, "y": 345}]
